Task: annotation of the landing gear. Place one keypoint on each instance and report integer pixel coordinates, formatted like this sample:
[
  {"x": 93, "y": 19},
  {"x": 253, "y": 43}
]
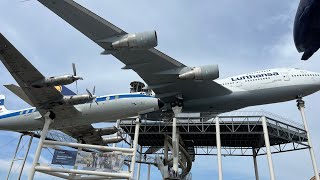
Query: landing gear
[{"x": 178, "y": 102}]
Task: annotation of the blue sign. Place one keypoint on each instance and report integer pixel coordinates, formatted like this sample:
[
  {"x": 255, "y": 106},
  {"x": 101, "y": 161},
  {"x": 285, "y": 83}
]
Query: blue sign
[{"x": 64, "y": 157}]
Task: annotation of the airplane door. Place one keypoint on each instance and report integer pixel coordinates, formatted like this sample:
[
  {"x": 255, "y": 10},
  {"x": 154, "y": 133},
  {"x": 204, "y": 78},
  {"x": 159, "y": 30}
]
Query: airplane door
[{"x": 286, "y": 76}]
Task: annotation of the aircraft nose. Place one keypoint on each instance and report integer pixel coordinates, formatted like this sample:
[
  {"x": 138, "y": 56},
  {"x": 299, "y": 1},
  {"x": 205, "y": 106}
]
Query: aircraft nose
[{"x": 160, "y": 103}]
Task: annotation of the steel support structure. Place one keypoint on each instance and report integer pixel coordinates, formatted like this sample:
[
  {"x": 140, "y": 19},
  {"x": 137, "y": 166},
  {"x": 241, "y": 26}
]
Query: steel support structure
[
  {"x": 175, "y": 139},
  {"x": 14, "y": 156},
  {"x": 166, "y": 149},
  {"x": 218, "y": 139},
  {"x": 117, "y": 126},
  {"x": 139, "y": 164},
  {"x": 267, "y": 144},
  {"x": 174, "y": 145},
  {"x": 44, "y": 132},
  {"x": 255, "y": 163},
  {"x": 75, "y": 173},
  {"x": 149, "y": 167},
  {"x": 301, "y": 106},
  {"x": 24, "y": 159},
  {"x": 243, "y": 134}
]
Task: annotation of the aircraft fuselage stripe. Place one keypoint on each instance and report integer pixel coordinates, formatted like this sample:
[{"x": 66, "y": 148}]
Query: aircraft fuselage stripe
[{"x": 99, "y": 99}]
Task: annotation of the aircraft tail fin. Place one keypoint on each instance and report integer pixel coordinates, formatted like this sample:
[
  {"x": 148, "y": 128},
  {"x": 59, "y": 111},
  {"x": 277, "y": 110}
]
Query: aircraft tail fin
[
  {"x": 2, "y": 106},
  {"x": 65, "y": 91}
]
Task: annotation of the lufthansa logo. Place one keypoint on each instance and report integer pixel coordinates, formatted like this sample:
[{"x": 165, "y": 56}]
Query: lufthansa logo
[{"x": 59, "y": 88}]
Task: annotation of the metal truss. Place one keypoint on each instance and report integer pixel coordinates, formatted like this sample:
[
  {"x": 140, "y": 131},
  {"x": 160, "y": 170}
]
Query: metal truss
[{"x": 241, "y": 133}]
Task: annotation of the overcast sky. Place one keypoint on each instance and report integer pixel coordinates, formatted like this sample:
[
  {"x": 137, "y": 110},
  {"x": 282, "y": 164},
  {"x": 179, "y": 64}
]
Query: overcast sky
[{"x": 241, "y": 36}]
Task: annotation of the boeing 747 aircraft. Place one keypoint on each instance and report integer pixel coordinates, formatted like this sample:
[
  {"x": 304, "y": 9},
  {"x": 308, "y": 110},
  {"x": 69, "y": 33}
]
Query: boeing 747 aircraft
[
  {"x": 197, "y": 89},
  {"x": 72, "y": 114}
]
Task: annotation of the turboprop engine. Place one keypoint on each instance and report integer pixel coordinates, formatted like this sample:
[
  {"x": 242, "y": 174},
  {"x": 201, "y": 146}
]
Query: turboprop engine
[
  {"x": 142, "y": 40},
  {"x": 79, "y": 99},
  {"x": 208, "y": 72},
  {"x": 58, "y": 80}
]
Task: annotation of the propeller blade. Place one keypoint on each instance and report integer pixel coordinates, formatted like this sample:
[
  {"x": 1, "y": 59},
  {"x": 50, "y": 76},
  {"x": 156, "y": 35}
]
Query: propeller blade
[
  {"x": 89, "y": 93},
  {"x": 77, "y": 87},
  {"x": 94, "y": 90},
  {"x": 74, "y": 69}
]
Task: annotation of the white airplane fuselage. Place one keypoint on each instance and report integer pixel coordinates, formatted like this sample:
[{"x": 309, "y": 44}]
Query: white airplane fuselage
[
  {"x": 109, "y": 108},
  {"x": 257, "y": 88}
]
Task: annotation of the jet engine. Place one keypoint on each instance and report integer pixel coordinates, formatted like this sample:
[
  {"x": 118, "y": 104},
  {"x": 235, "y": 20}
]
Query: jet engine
[
  {"x": 208, "y": 72},
  {"x": 142, "y": 40}
]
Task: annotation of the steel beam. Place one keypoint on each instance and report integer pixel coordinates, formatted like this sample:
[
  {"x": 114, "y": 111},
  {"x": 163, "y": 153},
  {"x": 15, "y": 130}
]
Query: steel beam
[
  {"x": 86, "y": 172},
  {"x": 301, "y": 106},
  {"x": 44, "y": 133},
  {"x": 218, "y": 139},
  {"x": 174, "y": 145},
  {"x": 14, "y": 157},
  {"x": 267, "y": 143},
  {"x": 25, "y": 157},
  {"x": 256, "y": 171},
  {"x": 117, "y": 126},
  {"x": 139, "y": 164},
  {"x": 149, "y": 166},
  {"x": 135, "y": 147}
]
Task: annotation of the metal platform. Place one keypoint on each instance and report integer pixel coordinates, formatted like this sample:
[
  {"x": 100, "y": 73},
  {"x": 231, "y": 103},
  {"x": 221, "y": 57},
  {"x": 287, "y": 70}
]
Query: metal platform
[{"x": 240, "y": 133}]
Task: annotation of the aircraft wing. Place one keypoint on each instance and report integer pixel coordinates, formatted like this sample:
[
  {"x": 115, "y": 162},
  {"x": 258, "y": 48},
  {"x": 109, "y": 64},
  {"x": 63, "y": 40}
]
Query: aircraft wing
[
  {"x": 150, "y": 64},
  {"x": 84, "y": 132},
  {"x": 88, "y": 134},
  {"x": 25, "y": 74}
]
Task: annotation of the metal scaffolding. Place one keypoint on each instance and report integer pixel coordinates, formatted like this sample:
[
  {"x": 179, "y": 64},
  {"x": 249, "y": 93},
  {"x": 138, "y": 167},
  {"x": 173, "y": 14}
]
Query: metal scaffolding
[
  {"x": 174, "y": 142},
  {"x": 82, "y": 174},
  {"x": 231, "y": 134}
]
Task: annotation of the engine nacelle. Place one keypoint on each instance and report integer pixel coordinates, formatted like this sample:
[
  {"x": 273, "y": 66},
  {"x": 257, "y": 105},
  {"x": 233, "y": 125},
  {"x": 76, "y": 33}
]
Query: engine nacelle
[
  {"x": 55, "y": 81},
  {"x": 208, "y": 72},
  {"x": 142, "y": 40},
  {"x": 77, "y": 99}
]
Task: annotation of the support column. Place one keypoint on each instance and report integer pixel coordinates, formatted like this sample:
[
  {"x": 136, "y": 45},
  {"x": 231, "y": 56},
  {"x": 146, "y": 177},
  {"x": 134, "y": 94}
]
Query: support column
[
  {"x": 218, "y": 140},
  {"x": 301, "y": 106},
  {"x": 43, "y": 135},
  {"x": 174, "y": 142},
  {"x": 14, "y": 156},
  {"x": 117, "y": 126},
  {"x": 267, "y": 143},
  {"x": 149, "y": 166},
  {"x": 166, "y": 149},
  {"x": 135, "y": 147},
  {"x": 175, "y": 146},
  {"x": 256, "y": 172},
  {"x": 25, "y": 156},
  {"x": 139, "y": 164}
]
